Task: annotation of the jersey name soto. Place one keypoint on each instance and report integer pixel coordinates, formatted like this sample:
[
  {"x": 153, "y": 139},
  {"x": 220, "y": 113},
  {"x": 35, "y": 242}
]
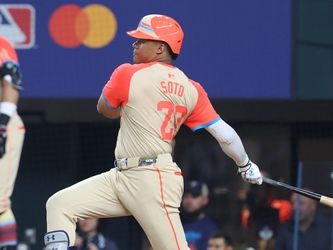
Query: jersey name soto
[{"x": 171, "y": 87}]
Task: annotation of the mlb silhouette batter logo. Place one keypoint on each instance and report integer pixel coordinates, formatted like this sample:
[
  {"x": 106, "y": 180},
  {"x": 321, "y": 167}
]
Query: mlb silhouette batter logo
[{"x": 17, "y": 24}]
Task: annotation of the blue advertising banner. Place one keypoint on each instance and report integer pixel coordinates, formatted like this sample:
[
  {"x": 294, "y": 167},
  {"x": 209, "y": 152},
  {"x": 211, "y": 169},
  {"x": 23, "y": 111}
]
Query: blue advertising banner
[{"x": 68, "y": 49}]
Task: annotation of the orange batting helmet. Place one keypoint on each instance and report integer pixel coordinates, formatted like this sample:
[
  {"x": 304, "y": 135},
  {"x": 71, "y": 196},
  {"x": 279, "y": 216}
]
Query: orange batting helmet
[{"x": 160, "y": 28}]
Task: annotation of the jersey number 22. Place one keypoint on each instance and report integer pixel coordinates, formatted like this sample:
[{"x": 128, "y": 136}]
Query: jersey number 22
[{"x": 175, "y": 114}]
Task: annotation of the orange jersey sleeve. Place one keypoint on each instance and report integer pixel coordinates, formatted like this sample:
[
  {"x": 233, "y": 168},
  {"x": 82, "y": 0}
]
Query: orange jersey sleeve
[
  {"x": 203, "y": 114},
  {"x": 7, "y": 51},
  {"x": 115, "y": 91}
]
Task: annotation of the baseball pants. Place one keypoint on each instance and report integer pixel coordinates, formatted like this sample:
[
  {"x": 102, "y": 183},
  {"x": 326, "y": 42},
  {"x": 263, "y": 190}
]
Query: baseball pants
[
  {"x": 9, "y": 163},
  {"x": 152, "y": 194}
]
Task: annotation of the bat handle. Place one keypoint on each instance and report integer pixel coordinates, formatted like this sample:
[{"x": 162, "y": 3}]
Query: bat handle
[{"x": 326, "y": 201}]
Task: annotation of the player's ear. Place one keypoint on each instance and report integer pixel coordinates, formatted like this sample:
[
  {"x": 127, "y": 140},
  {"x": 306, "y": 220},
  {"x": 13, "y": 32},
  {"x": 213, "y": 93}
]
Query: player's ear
[{"x": 161, "y": 48}]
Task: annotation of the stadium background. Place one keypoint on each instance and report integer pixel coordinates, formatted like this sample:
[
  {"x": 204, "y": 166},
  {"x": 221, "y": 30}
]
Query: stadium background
[{"x": 267, "y": 66}]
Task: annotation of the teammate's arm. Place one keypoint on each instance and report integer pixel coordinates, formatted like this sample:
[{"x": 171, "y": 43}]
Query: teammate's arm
[
  {"x": 11, "y": 81},
  {"x": 232, "y": 146},
  {"x": 9, "y": 93}
]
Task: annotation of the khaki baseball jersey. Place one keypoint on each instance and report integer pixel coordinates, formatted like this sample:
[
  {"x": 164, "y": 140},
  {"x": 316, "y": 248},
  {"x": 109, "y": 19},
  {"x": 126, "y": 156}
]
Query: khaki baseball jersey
[{"x": 155, "y": 100}]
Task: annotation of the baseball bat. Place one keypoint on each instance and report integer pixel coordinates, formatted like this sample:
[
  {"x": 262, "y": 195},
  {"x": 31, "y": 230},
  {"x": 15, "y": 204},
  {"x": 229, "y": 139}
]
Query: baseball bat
[{"x": 327, "y": 201}]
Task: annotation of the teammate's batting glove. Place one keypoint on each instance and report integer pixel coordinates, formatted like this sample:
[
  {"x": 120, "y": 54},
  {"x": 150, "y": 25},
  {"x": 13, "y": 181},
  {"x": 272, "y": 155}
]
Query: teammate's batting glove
[
  {"x": 11, "y": 72},
  {"x": 250, "y": 173},
  {"x": 3, "y": 133}
]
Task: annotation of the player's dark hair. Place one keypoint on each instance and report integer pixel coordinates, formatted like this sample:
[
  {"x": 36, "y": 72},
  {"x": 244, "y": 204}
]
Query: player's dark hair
[
  {"x": 227, "y": 238},
  {"x": 173, "y": 55}
]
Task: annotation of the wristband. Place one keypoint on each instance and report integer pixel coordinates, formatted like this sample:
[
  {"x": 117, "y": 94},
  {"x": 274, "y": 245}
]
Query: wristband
[
  {"x": 244, "y": 168},
  {"x": 246, "y": 165},
  {"x": 245, "y": 161},
  {"x": 8, "y": 108}
]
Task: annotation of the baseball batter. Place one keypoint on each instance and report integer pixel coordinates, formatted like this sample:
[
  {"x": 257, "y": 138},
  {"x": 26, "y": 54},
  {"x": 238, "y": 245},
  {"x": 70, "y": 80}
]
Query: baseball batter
[
  {"x": 11, "y": 140},
  {"x": 153, "y": 99}
]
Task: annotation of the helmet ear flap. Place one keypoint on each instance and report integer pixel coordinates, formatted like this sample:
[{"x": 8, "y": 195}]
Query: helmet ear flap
[{"x": 161, "y": 28}]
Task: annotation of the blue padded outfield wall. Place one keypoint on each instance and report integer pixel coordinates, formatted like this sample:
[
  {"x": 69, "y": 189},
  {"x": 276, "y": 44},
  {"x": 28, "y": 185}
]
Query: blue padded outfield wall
[{"x": 234, "y": 48}]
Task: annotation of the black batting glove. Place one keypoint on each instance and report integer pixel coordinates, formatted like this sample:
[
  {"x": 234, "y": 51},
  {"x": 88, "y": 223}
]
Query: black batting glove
[
  {"x": 4, "y": 119},
  {"x": 13, "y": 70}
]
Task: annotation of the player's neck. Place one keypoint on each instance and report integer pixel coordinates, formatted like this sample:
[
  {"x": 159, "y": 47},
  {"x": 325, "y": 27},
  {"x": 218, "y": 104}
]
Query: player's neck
[{"x": 164, "y": 59}]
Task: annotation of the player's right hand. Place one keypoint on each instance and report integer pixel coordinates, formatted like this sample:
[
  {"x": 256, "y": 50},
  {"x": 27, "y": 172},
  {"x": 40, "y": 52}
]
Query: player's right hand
[{"x": 250, "y": 173}]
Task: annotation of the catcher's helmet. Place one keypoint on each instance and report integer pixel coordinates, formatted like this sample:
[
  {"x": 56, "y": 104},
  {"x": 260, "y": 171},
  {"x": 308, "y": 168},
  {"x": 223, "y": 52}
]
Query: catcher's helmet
[{"x": 160, "y": 28}]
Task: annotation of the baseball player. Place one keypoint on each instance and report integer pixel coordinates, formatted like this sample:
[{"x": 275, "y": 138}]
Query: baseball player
[
  {"x": 153, "y": 99},
  {"x": 11, "y": 140}
]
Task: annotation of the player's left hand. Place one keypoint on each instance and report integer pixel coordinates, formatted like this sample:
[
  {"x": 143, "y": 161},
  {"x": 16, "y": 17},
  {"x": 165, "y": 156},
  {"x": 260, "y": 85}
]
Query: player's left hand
[{"x": 250, "y": 173}]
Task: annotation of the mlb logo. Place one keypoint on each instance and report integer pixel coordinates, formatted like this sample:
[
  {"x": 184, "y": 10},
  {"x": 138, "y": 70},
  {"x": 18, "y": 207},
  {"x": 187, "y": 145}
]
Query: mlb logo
[{"x": 17, "y": 24}]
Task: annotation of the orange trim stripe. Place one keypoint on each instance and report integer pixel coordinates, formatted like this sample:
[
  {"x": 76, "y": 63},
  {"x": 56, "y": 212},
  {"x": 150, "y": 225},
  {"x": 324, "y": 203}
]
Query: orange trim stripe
[
  {"x": 21, "y": 127},
  {"x": 165, "y": 209}
]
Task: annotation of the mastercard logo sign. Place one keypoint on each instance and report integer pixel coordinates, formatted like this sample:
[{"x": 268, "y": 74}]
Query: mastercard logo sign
[{"x": 93, "y": 26}]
